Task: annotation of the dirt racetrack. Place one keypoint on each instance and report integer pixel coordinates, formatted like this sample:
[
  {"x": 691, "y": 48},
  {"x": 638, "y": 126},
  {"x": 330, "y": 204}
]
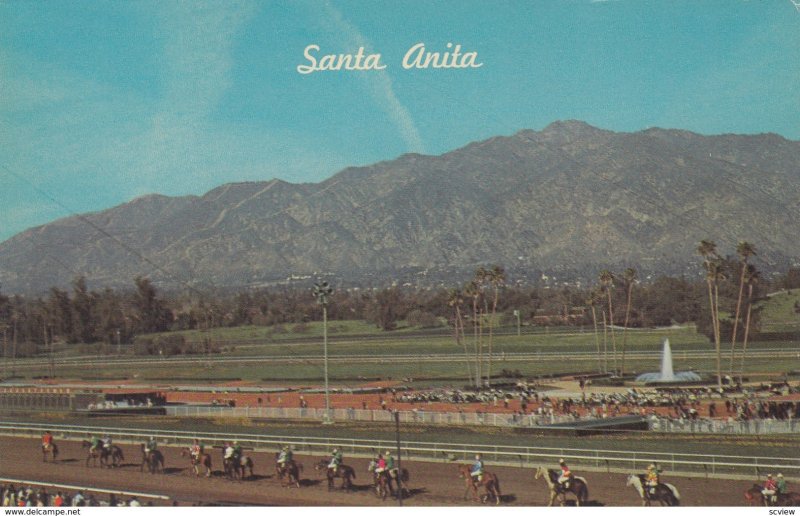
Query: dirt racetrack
[{"x": 431, "y": 484}]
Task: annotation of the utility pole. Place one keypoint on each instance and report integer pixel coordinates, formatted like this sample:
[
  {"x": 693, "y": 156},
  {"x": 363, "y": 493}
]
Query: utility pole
[
  {"x": 321, "y": 291},
  {"x": 399, "y": 459},
  {"x": 119, "y": 347}
]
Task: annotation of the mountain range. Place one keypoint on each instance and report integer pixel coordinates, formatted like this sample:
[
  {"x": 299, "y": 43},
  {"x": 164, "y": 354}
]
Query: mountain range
[{"x": 569, "y": 196}]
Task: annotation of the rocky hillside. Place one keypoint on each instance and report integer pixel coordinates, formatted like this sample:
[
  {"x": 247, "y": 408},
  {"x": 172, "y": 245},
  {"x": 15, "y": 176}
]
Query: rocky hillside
[{"x": 570, "y": 196}]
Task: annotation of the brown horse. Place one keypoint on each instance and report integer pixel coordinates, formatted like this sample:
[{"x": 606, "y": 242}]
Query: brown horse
[
  {"x": 203, "y": 460},
  {"x": 489, "y": 481},
  {"x": 153, "y": 460},
  {"x": 663, "y": 493},
  {"x": 754, "y": 497},
  {"x": 346, "y": 473},
  {"x": 289, "y": 474},
  {"x": 52, "y": 450}
]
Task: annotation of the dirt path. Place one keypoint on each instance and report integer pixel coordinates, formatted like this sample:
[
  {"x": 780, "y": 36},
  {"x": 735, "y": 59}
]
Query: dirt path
[{"x": 432, "y": 484}]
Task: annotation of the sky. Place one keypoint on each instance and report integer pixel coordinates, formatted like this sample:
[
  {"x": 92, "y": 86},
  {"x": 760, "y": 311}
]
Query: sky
[{"x": 104, "y": 101}]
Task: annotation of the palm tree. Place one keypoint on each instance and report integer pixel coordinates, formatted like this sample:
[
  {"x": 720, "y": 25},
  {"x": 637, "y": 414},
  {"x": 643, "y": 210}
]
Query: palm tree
[
  {"x": 473, "y": 290},
  {"x": 629, "y": 276},
  {"x": 455, "y": 300},
  {"x": 708, "y": 250},
  {"x": 497, "y": 278},
  {"x": 719, "y": 276},
  {"x": 605, "y": 340},
  {"x": 607, "y": 280},
  {"x": 745, "y": 250},
  {"x": 592, "y": 302},
  {"x": 751, "y": 279}
]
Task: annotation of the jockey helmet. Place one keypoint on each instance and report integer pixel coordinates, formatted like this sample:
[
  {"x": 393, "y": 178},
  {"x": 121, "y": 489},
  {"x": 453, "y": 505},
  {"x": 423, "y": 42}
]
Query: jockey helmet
[
  {"x": 478, "y": 456},
  {"x": 780, "y": 475},
  {"x": 561, "y": 461},
  {"x": 388, "y": 453},
  {"x": 335, "y": 450},
  {"x": 651, "y": 466},
  {"x": 769, "y": 475},
  {"x": 235, "y": 443}
]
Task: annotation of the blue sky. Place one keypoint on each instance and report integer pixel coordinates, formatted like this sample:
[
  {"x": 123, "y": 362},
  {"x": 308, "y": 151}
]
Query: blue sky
[{"x": 101, "y": 102}]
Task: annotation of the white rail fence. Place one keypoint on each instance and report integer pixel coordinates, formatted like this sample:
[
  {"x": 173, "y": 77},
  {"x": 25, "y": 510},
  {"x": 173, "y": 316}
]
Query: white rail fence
[
  {"x": 520, "y": 456},
  {"x": 699, "y": 426}
]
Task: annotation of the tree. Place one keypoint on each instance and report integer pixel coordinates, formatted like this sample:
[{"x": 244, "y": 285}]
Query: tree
[
  {"x": 745, "y": 250},
  {"x": 472, "y": 290},
  {"x": 629, "y": 276},
  {"x": 751, "y": 277},
  {"x": 496, "y": 278},
  {"x": 607, "y": 281},
  {"x": 711, "y": 262},
  {"x": 83, "y": 307},
  {"x": 592, "y": 300},
  {"x": 150, "y": 312},
  {"x": 455, "y": 300}
]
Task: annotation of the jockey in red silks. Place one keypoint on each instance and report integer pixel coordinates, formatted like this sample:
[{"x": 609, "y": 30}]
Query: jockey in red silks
[
  {"x": 770, "y": 487},
  {"x": 47, "y": 440},
  {"x": 566, "y": 474}
]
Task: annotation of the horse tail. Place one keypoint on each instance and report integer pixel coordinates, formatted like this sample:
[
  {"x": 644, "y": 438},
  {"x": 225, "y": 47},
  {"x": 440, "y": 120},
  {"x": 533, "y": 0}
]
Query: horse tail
[
  {"x": 353, "y": 471},
  {"x": 497, "y": 485},
  {"x": 675, "y": 493}
]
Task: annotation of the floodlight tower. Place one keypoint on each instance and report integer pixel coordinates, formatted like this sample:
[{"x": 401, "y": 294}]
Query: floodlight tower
[{"x": 321, "y": 291}]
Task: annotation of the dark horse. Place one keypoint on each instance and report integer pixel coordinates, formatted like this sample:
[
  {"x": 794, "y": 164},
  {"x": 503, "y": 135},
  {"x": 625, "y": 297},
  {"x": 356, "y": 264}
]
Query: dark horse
[
  {"x": 114, "y": 454},
  {"x": 52, "y": 449},
  {"x": 289, "y": 474},
  {"x": 576, "y": 485},
  {"x": 203, "y": 460},
  {"x": 665, "y": 494},
  {"x": 153, "y": 460},
  {"x": 346, "y": 473},
  {"x": 489, "y": 481},
  {"x": 383, "y": 481},
  {"x": 754, "y": 496}
]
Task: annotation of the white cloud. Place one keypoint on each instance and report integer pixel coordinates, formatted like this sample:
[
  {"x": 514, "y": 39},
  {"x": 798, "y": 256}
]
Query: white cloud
[{"x": 380, "y": 83}]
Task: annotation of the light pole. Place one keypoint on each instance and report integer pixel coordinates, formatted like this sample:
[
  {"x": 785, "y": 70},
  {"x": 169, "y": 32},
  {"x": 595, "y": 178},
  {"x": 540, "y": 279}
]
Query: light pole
[
  {"x": 119, "y": 347},
  {"x": 321, "y": 291},
  {"x": 516, "y": 314}
]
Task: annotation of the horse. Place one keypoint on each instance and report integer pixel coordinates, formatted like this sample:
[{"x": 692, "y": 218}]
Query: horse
[
  {"x": 289, "y": 472},
  {"x": 665, "y": 494},
  {"x": 244, "y": 464},
  {"x": 754, "y": 496},
  {"x": 93, "y": 455},
  {"x": 154, "y": 460},
  {"x": 114, "y": 453},
  {"x": 381, "y": 481},
  {"x": 203, "y": 460},
  {"x": 576, "y": 485},
  {"x": 489, "y": 481},
  {"x": 52, "y": 449},
  {"x": 346, "y": 473}
]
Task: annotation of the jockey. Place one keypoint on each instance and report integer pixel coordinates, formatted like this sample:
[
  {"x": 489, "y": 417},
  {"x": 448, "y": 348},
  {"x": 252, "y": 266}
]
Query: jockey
[
  {"x": 151, "y": 445},
  {"x": 95, "y": 443},
  {"x": 47, "y": 440},
  {"x": 197, "y": 449},
  {"x": 285, "y": 456},
  {"x": 107, "y": 442},
  {"x": 237, "y": 450},
  {"x": 380, "y": 465},
  {"x": 390, "y": 465},
  {"x": 781, "y": 485},
  {"x": 566, "y": 474},
  {"x": 229, "y": 452},
  {"x": 651, "y": 478},
  {"x": 336, "y": 459},
  {"x": 477, "y": 469},
  {"x": 770, "y": 487}
]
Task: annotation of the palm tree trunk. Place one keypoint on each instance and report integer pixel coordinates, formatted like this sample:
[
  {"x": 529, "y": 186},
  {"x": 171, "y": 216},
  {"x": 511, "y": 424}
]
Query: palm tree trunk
[
  {"x": 736, "y": 316},
  {"x": 491, "y": 338},
  {"x": 718, "y": 342},
  {"x": 625, "y": 330},
  {"x": 597, "y": 341},
  {"x": 746, "y": 331},
  {"x": 713, "y": 323},
  {"x": 460, "y": 340},
  {"x": 475, "y": 337},
  {"x": 611, "y": 322},
  {"x": 605, "y": 341}
]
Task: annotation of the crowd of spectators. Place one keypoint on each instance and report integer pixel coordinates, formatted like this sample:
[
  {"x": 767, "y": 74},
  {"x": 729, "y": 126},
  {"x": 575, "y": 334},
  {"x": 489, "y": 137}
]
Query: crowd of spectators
[{"x": 27, "y": 496}]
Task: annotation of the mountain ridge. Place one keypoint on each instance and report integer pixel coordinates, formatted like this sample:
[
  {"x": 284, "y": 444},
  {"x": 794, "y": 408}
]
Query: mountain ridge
[{"x": 571, "y": 195}]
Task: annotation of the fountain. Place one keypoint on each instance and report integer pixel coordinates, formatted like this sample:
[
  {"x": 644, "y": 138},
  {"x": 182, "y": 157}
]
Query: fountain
[{"x": 667, "y": 375}]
